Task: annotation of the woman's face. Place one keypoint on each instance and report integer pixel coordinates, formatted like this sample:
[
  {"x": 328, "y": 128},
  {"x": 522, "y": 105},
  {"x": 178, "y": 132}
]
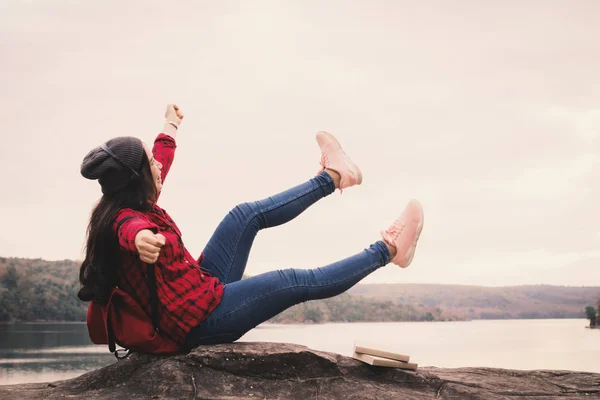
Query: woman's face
[{"x": 155, "y": 168}]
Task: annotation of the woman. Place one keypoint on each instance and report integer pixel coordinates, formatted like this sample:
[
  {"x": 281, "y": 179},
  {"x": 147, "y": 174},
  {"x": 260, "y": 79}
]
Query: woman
[{"x": 204, "y": 301}]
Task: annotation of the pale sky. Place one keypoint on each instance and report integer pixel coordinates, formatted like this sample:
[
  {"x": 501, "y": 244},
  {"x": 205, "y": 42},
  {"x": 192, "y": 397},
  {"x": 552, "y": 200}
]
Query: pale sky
[{"x": 488, "y": 112}]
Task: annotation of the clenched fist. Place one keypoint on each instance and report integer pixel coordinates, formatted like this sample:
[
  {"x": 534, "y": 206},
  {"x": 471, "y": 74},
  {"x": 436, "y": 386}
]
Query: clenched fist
[
  {"x": 148, "y": 245},
  {"x": 173, "y": 113}
]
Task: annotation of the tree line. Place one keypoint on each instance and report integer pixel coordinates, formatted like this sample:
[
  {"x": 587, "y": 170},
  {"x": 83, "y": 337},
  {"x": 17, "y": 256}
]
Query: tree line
[{"x": 39, "y": 297}]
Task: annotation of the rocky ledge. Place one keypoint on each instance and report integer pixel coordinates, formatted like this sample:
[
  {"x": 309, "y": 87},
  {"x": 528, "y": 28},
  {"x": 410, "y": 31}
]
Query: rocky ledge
[{"x": 285, "y": 371}]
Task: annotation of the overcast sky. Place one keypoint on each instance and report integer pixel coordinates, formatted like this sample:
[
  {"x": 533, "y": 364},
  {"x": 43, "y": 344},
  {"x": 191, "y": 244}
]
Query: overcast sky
[{"x": 486, "y": 111}]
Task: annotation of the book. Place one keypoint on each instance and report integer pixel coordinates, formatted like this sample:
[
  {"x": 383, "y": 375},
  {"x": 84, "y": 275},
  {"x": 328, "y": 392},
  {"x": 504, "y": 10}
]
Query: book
[
  {"x": 383, "y": 362},
  {"x": 374, "y": 350}
]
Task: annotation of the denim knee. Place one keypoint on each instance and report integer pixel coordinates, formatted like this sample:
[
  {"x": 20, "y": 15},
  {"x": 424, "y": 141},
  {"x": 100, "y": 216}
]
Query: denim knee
[{"x": 249, "y": 213}]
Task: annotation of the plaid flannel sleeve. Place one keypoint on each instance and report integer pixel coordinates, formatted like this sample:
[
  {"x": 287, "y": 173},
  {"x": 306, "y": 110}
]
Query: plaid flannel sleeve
[
  {"x": 164, "y": 152},
  {"x": 127, "y": 225}
]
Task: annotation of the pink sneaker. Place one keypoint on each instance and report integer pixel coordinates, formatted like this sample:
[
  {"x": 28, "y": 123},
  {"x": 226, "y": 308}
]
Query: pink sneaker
[
  {"x": 334, "y": 158},
  {"x": 404, "y": 233}
]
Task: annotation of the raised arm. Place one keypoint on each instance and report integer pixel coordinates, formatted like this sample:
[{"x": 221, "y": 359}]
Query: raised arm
[
  {"x": 164, "y": 153},
  {"x": 164, "y": 144}
]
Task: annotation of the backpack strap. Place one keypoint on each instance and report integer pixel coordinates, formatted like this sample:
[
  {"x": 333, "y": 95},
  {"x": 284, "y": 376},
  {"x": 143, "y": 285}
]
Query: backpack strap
[
  {"x": 153, "y": 294},
  {"x": 112, "y": 345},
  {"x": 119, "y": 358}
]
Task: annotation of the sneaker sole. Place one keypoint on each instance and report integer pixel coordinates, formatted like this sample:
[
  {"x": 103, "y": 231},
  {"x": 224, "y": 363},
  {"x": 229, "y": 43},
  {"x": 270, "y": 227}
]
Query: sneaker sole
[{"x": 338, "y": 146}]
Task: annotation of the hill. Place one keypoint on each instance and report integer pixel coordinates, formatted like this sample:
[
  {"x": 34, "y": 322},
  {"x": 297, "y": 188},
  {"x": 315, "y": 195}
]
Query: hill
[{"x": 478, "y": 302}]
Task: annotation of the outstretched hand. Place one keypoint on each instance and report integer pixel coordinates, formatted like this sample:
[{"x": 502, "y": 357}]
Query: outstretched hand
[
  {"x": 148, "y": 245},
  {"x": 173, "y": 113}
]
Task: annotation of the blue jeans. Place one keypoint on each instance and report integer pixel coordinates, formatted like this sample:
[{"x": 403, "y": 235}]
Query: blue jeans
[{"x": 249, "y": 302}]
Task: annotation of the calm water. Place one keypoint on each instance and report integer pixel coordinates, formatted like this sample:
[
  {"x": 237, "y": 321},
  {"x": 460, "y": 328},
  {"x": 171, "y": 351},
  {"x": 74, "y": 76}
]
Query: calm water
[{"x": 48, "y": 352}]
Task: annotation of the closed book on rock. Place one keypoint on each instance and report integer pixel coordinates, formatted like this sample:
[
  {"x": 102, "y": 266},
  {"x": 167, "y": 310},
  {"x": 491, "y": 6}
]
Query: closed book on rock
[
  {"x": 383, "y": 362},
  {"x": 379, "y": 351}
]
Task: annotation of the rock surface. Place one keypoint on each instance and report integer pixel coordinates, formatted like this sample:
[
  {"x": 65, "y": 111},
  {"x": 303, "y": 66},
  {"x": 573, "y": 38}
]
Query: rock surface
[{"x": 284, "y": 371}]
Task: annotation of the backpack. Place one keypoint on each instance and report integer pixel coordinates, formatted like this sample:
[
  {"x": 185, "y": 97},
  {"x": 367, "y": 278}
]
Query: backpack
[{"x": 124, "y": 322}]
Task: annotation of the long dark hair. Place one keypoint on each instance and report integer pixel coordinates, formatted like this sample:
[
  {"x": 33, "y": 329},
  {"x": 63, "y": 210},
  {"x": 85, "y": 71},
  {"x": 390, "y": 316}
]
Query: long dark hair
[{"x": 98, "y": 273}]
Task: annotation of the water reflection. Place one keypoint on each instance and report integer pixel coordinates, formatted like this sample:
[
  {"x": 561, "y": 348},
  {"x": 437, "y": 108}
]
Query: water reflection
[{"x": 45, "y": 352}]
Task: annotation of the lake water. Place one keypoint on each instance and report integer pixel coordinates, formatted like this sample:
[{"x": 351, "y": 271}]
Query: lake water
[{"x": 53, "y": 351}]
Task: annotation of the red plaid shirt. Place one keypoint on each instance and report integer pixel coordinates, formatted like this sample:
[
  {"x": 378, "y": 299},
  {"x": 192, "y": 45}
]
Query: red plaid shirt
[{"x": 186, "y": 294}]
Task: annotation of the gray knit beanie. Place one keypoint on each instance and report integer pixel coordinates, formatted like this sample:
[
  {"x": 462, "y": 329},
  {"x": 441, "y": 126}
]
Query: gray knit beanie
[{"x": 114, "y": 174}]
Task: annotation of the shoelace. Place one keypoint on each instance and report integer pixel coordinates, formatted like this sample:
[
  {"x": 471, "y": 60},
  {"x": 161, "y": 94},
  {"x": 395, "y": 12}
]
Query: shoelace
[
  {"x": 395, "y": 230},
  {"x": 325, "y": 157},
  {"x": 325, "y": 162}
]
